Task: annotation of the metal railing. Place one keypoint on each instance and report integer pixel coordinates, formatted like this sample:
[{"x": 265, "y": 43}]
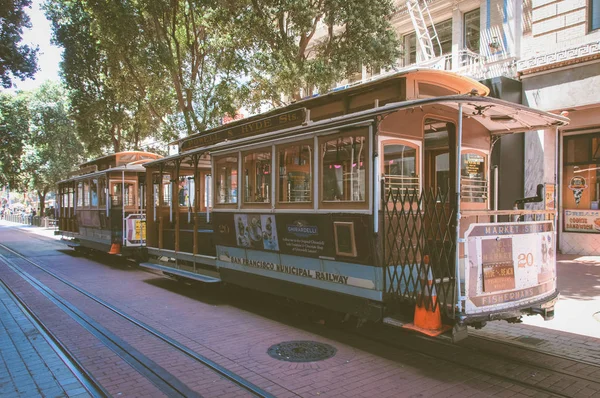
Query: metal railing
[
  {"x": 400, "y": 182},
  {"x": 28, "y": 219},
  {"x": 473, "y": 190}
]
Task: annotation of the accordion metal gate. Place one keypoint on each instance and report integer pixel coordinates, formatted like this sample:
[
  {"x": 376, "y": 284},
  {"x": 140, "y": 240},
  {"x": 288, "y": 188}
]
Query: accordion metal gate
[{"x": 419, "y": 249}]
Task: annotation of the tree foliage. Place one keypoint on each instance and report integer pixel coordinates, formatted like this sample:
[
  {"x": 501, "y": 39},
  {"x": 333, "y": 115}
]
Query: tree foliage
[
  {"x": 53, "y": 148},
  {"x": 315, "y": 43},
  {"x": 16, "y": 60},
  {"x": 193, "y": 61},
  {"x": 117, "y": 104},
  {"x": 14, "y": 133}
]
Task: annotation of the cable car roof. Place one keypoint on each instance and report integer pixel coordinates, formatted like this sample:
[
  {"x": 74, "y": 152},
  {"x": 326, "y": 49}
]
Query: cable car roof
[
  {"x": 132, "y": 167},
  {"x": 497, "y": 116}
]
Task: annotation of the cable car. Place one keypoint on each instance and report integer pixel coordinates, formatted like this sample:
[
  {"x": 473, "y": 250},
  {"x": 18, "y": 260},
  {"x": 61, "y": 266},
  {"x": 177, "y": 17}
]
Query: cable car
[
  {"x": 372, "y": 201},
  {"x": 101, "y": 205}
]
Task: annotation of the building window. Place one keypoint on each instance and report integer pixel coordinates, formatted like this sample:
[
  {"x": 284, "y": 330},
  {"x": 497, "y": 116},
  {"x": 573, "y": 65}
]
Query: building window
[
  {"x": 400, "y": 167},
  {"x": 294, "y": 181},
  {"x": 344, "y": 163},
  {"x": 594, "y": 14},
  {"x": 472, "y": 30},
  {"x": 257, "y": 177},
  {"x": 444, "y": 33},
  {"x": 226, "y": 181}
]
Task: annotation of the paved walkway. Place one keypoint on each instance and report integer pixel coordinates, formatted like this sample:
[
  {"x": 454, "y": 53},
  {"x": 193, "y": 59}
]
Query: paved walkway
[
  {"x": 575, "y": 331},
  {"x": 29, "y": 366}
]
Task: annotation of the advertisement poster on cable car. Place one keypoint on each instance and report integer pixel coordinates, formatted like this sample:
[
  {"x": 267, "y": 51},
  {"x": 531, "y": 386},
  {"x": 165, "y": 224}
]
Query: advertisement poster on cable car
[
  {"x": 308, "y": 235},
  {"x": 135, "y": 230},
  {"x": 508, "y": 263}
]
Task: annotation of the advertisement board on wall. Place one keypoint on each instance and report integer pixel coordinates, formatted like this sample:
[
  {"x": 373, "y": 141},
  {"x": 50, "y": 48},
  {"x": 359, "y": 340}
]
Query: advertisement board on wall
[
  {"x": 582, "y": 221},
  {"x": 508, "y": 263}
]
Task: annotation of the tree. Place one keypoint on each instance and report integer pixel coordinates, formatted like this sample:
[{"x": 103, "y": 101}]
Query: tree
[
  {"x": 16, "y": 60},
  {"x": 314, "y": 43},
  {"x": 115, "y": 107},
  {"x": 14, "y": 133},
  {"x": 53, "y": 148}
]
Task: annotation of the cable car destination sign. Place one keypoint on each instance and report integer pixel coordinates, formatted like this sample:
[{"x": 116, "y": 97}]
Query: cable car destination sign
[{"x": 277, "y": 122}]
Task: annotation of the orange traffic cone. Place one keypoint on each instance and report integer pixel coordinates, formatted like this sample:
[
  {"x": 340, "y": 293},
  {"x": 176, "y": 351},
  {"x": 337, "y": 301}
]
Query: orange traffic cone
[
  {"x": 428, "y": 319},
  {"x": 115, "y": 248}
]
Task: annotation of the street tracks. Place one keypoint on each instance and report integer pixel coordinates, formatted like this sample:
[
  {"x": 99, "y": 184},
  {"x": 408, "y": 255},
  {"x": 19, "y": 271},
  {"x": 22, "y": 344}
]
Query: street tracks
[{"x": 131, "y": 331}]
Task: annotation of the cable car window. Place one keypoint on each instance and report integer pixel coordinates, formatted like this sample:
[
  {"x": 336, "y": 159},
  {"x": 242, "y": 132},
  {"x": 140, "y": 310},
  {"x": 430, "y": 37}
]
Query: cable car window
[
  {"x": 117, "y": 196},
  {"x": 442, "y": 173},
  {"x": 226, "y": 181},
  {"x": 101, "y": 192},
  {"x": 186, "y": 191},
  {"x": 294, "y": 164},
  {"x": 429, "y": 90},
  {"x": 86, "y": 193},
  {"x": 257, "y": 177},
  {"x": 400, "y": 167},
  {"x": 343, "y": 168},
  {"x": 473, "y": 183},
  {"x": 166, "y": 189},
  {"x": 94, "y": 192},
  {"x": 80, "y": 194}
]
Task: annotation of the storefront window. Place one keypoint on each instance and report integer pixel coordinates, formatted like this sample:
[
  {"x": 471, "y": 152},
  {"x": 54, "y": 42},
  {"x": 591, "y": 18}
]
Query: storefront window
[
  {"x": 581, "y": 183},
  {"x": 257, "y": 177},
  {"x": 226, "y": 182},
  {"x": 400, "y": 167},
  {"x": 295, "y": 173},
  {"x": 344, "y": 168},
  {"x": 473, "y": 182}
]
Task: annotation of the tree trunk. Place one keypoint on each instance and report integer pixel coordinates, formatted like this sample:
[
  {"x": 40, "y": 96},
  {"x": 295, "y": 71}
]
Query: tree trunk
[{"x": 42, "y": 201}]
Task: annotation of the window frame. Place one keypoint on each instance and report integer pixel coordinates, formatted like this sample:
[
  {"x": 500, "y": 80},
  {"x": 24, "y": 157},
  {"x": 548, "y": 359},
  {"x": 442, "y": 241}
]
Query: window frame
[
  {"x": 296, "y": 205},
  {"x": 590, "y": 16},
  {"x": 350, "y": 205},
  {"x": 242, "y": 186},
  {"x": 231, "y": 205},
  {"x": 486, "y": 177},
  {"x": 418, "y": 156},
  {"x": 464, "y": 30}
]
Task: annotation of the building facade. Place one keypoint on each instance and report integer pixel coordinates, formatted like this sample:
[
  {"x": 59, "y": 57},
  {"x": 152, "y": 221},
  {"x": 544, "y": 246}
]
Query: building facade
[
  {"x": 544, "y": 54},
  {"x": 560, "y": 72}
]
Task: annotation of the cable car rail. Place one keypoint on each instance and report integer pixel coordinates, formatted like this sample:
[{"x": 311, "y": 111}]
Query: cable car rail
[{"x": 164, "y": 380}]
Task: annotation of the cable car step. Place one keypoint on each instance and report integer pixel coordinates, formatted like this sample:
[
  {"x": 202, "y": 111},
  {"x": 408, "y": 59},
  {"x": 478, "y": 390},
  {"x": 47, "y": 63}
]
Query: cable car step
[
  {"x": 179, "y": 272},
  {"x": 395, "y": 321}
]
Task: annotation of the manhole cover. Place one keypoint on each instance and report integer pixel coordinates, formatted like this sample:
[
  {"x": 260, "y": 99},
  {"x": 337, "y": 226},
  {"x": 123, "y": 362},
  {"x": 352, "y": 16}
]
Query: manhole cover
[
  {"x": 530, "y": 340},
  {"x": 596, "y": 316},
  {"x": 301, "y": 351}
]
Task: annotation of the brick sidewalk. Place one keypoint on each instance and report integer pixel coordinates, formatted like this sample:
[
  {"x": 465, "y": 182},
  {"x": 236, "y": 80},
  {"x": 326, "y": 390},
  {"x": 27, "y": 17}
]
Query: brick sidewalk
[{"x": 28, "y": 365}]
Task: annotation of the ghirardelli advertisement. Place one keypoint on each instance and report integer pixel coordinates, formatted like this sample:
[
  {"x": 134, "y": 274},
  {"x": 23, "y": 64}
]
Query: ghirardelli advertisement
[{"x": 308, "y": 235}]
